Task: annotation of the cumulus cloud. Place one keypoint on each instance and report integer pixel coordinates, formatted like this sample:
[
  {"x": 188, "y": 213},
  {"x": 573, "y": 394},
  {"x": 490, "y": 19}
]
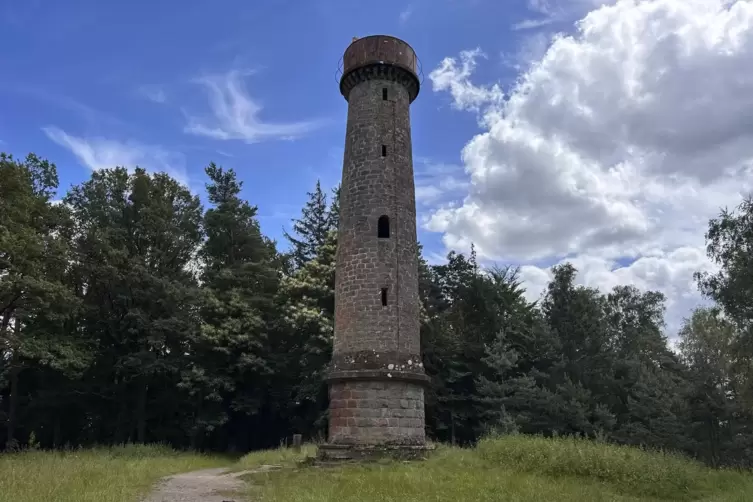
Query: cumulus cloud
[
  {"x": 102, "y": 153},
  {"x": 614, "y": 148},
  {"x": 235, "y": 115},
  {"x": 454, "y": 76}
]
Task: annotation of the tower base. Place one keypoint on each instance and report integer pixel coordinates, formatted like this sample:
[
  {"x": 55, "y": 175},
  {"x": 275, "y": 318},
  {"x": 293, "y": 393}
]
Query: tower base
[{"x": 330, "y": 453}]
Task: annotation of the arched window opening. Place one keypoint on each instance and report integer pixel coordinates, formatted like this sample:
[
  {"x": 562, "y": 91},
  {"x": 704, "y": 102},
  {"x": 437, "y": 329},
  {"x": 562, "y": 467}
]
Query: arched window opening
[
  {"x": 384, "y": 297},
  {"x": 383, "y": 227},
  {"x": 384, "y": 94}
]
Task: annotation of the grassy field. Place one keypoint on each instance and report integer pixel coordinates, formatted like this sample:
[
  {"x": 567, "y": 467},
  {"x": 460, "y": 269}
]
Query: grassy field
[
  {"x": 513, "y": 468},
  {"x": 120, "y": 474}
]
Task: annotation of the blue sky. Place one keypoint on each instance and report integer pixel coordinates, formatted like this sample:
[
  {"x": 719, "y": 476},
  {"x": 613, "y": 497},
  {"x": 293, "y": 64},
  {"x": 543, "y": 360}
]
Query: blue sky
[
  {"x": 89, "y": 83},
  {"x": 536, "y": 138}
]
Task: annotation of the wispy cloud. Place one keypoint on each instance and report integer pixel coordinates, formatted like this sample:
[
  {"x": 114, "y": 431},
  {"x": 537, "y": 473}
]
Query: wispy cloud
[
  {"x": 435, "y": 258},
  {"x": 531, "y": 48},
  {"x": 153, "y": 93},
  {"x": 529, "y": 24},
  {"x": 438, "y": 183},
  {"x": 235, "y": 115},
  {"x": 546, "y": 13},
  {"x": 556, "y": 11},
  {"x": 101, "y": 153},
  {"x": 406, "y": 14},
  {"x": 91, "y": 115},
  {"x": 280, "y": 212}
]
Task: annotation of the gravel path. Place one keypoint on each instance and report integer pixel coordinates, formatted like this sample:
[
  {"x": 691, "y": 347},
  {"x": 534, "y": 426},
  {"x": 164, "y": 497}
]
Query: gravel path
[{"x": 208, "y": 485}]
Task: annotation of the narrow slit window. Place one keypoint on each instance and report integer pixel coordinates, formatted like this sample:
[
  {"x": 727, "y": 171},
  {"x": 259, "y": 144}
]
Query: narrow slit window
[
  {"x": 384, "y": 297},
  {"x": 383, "y": 227},
  {"x": 384, "y": 94},
  {"x": 384, "y": 150}
]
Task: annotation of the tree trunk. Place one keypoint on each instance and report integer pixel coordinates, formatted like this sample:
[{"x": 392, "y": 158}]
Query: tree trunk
[
  {"x": 13, "y": 404},
  {"x": 141, "y": 411},
  {"x": 123, "y": 420},
  {"x": 57, "y": 433},
  {"x": 452, "y": 429},
  {"x": 15, "y": 369}
]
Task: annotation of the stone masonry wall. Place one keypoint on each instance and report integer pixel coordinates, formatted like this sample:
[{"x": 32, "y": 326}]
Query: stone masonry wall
[
  {"x": 377, "y": 397},
  {"x": 376, "y": 413},
  {"x": 374, "y": 185}
]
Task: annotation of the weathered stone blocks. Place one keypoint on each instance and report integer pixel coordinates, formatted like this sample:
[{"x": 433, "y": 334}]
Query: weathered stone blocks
[
  {"x": 389, "y": 413},
  {"x": 377, "y": 377}
]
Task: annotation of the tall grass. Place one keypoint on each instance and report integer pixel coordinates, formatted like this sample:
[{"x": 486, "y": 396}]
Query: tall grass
[
  {"x": 119, "y": 474},
  {"x": 515, "y": 468},
  {"x": 283, "y": 456},
  {"x": 629, "y": 470}
]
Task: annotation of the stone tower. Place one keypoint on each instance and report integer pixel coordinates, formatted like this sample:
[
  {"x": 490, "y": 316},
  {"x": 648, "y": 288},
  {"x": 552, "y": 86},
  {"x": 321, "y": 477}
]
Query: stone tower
[{"x": 376, "y": 380}]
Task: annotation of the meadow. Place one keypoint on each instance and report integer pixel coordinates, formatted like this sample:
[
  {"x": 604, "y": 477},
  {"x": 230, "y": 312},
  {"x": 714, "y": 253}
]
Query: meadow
[
  {"x": 118, "y": 474},
  {"x": 509, "y": 468}
]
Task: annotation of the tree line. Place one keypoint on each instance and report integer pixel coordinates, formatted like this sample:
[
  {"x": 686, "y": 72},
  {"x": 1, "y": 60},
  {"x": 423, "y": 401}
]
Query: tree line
[{"x": 131, "y": 313}]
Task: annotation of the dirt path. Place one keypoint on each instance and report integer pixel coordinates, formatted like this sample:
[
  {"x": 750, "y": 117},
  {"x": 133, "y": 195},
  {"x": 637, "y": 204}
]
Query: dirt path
[{"x": 208, "y": 485}]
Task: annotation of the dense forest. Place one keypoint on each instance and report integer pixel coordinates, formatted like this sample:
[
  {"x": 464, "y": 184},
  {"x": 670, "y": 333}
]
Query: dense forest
[{"x": 131, "y": 313}]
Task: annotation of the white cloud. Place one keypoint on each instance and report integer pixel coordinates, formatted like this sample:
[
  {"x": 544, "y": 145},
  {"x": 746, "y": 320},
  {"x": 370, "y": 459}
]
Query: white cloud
[
  {"x": 529, "y": 24},
  {"x": 455, "y": 78},
  {"x": 102, "y": 153},
  {"x": 235, "y": 115},
  {"x": 546, "y": 14},
  {"x": 670, "y": 272},
  {"x": 618, "y": 143}
]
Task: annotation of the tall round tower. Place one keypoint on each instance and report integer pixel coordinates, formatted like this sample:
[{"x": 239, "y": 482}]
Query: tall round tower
[{"x": 376, "y": 380}]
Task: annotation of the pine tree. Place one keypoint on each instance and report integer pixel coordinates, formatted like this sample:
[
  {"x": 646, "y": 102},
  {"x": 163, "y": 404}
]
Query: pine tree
[
  {"x": 333, "y": 213},
  {"x": 229, "y": 363},
  {"x": 310, "y": 313},
  {"x": 312, "y": 228}
]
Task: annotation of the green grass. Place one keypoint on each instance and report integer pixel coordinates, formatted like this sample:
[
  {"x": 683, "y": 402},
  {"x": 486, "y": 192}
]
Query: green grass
[
  {"x": 284, "y": 457},
  {"x": 121, "y": 474},
  {"x": 514, "y": 468},
  {"x": 511, "y": 468}
]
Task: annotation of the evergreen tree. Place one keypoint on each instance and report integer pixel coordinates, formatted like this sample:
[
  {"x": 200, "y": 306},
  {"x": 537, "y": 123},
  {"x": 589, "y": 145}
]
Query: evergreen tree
[
  {"x": 127, "y": 313},
  {"x": 312, "y": 228},
  {"x": 135, "y": 236},
  {"x": 309, "y": 313},
  {"x": 229, "y": 370},
  {"x": 333, "y": 213}
]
